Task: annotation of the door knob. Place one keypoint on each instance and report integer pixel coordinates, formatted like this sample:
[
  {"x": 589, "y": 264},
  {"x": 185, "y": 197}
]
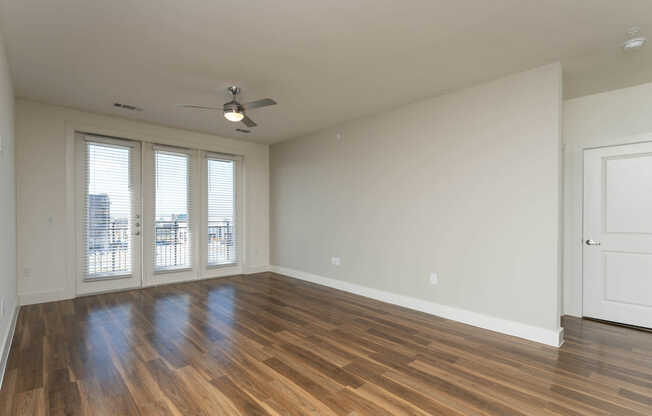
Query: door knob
[{"x": 590, "y": 242}]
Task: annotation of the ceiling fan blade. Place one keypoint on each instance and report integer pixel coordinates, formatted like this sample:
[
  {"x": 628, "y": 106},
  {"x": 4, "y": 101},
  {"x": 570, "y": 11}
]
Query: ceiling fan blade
[
  {"x": 199, "y": 107},
  {"x": 249, "y": 122},
  {"x": 259, "y": 103}
]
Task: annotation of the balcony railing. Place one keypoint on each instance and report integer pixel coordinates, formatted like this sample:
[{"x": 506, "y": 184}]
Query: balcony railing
[
  {"x": 108, "y": 251},
  {"x": 172, "y": 245},
  {"x": 221, "y": 243}
]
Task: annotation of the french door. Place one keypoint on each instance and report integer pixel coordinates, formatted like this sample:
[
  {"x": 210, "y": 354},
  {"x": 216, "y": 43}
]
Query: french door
[
  {"x": 151, "y": 214},
  {"x": 109, "y": 214}
]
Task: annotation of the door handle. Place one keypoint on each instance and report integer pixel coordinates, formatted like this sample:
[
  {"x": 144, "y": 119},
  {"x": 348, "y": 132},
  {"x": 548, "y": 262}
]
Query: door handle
[
  {"x": 137, "y": 233},
  {"x": 590, "y": 242}
]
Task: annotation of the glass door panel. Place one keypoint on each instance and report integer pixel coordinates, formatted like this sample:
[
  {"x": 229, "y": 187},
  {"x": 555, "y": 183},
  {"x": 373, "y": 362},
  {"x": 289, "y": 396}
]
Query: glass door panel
[{"x": 110, "y": 214}]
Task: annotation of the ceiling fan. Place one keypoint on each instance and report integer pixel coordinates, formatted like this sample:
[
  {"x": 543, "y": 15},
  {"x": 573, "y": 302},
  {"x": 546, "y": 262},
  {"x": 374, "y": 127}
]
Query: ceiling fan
[{"x": 235, "y": 111}]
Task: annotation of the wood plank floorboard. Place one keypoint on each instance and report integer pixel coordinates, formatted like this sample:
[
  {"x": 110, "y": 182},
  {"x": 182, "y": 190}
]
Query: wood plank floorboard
[{"x": 267, "y": 344}]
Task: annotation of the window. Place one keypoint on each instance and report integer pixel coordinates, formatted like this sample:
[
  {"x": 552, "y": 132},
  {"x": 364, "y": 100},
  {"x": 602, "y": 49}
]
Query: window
[
  {"x": 221, "y": 200},
  {"x": 172, "y": 233}
]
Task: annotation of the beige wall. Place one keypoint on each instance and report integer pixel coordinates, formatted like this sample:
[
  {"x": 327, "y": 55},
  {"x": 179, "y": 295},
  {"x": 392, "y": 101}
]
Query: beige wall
[
  {"x": 44, "y": 269},
  {"x": 466, "y": 185},
  {"x": 7, "y": 203},
  {"x": 610, "y": 118}
]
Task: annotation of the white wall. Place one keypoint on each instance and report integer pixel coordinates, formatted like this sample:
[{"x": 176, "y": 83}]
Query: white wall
[
  {"x": 610, "y": 118},
  {"x": 44, "y": 269},
  {"x": 7, "y": 205},
  {"x": 466, "y": 184}
]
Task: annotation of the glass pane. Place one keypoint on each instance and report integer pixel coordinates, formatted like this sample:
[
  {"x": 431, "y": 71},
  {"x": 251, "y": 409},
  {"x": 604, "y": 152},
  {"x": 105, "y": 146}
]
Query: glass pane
[
  {"x": 221, "y": 212},
  {"x": 172, "y": 232},
  {"x": 108, "y": 210}
]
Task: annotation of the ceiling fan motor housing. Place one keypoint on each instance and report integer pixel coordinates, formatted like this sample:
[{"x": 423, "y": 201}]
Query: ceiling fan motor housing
[{"x": 233, "y": 106}]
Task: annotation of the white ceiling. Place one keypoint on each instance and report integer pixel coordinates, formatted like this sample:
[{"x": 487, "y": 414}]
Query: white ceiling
[{"x": 323, "y": 61}]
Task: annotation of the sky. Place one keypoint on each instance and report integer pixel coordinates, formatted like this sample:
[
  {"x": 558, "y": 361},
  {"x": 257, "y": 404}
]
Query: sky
[
  {"x": 171, "y": 179},
  {"x": 108, "y": 173}
]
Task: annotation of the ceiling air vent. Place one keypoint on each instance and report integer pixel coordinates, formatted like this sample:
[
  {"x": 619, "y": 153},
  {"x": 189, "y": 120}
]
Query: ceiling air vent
[
  {"x": 127, "y": 107},
  {"x": 243, "y": 130}
]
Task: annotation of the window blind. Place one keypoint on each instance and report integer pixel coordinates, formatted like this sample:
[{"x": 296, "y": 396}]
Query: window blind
[
  {"x": 172, "y": 243},
  {"x": 107, "y": 220},
  {"x": 221, "y": 198}
]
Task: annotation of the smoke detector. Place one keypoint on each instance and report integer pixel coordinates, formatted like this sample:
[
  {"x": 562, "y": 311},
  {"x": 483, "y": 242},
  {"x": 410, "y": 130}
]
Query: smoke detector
[{"x": 634, "y": 39}]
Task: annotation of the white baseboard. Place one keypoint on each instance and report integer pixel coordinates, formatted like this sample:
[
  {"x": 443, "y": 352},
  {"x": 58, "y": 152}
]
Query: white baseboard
[
  {"x": 542, "y": 335},
  {"x": 32, "y": 298},
  {"x": 257, "y": 269},
  {"x": 162, "y": 279},
  {"x": 6, "y": 341},
  {"x": 221, "y": 272}
]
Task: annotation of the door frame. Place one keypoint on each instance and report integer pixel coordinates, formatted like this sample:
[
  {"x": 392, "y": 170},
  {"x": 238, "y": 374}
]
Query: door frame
[
  {"x": 143, "y": 134},
  {"x": 151, "y": 276},
  {"x": 107, "y": 284},
  {"x": 579, "y": 179}
]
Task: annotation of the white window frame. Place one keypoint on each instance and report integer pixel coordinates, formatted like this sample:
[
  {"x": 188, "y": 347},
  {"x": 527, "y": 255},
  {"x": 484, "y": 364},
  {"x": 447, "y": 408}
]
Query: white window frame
[
  {"x": 152, "y": 276},
  {"x": 82, "y": 284}
]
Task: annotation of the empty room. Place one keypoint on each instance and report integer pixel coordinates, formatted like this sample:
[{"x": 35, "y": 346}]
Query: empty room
[{"x": 419, "y": 207}]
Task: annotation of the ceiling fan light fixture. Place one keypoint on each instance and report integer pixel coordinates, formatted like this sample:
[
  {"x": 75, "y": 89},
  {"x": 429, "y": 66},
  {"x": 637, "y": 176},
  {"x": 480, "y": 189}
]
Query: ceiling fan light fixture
[
  {"x": 233, "y": 115},
  {"x": 634, "y": 39},
  {"x": 634, "y": 43}
]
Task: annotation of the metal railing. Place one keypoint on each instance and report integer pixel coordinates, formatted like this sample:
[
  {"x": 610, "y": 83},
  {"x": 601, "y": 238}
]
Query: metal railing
[
  {"x": 108, "y": 251},
  {"x": 172, "y": 245},
  {"x": 221, "y": 243}
]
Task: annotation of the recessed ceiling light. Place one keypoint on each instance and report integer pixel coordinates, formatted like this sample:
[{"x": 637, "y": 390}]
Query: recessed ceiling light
[{"x": 635, "y": 40}]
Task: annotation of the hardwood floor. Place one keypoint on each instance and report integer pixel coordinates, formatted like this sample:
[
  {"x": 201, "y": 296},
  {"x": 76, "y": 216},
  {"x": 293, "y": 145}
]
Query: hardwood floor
[{"x": 268, "y": 344}]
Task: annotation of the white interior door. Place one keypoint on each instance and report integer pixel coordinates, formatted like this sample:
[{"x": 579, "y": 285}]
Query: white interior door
[
  {"x": 617, "y": 256},
  {"x": 109, "y": 214}
]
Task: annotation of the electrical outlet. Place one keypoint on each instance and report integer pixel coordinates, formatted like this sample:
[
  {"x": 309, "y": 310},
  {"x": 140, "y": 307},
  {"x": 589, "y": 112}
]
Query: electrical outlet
[
  {"x": 27, "y": 272},
  {"x": 335, "y": 261},
  {"x": 433, "y": 278}
]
